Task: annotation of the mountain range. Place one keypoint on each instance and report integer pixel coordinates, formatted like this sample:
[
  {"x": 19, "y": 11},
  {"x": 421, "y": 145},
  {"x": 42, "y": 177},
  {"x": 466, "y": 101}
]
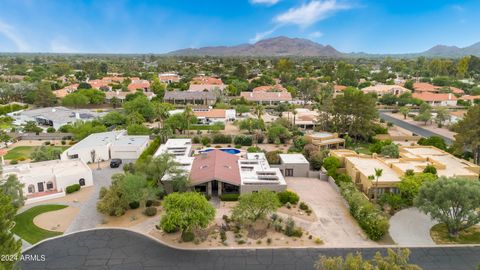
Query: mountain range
[{"x": 285, "y": 46}]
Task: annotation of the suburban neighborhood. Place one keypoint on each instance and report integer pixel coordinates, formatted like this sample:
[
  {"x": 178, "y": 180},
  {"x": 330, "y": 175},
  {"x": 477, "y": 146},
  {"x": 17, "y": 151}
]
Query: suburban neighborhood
[{"x": 279, "y": 153}]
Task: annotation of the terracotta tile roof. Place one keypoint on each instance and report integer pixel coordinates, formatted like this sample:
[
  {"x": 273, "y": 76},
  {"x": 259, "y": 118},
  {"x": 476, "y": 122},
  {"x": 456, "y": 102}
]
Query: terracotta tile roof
[
  {"x": 169, "y": 77},
  {"x": 206, "y": 87},
  {"x": 434, "y": 97},
  {"x": 213, "y": 113},
  {"x": 206, "y": 80},
  {"x": 138, "y": 84},
  {"x": 61, "y": 93},
  {"x": 98, "y": 83},
  {"x": 266, "y": 96},
  {"x": 215, "y": 165},
  {"x": 169, "y": 95},
  {"x": 427, "y": 87},
  {"x": 270, "y": 88},
  {"x": 468, "y": 97}
]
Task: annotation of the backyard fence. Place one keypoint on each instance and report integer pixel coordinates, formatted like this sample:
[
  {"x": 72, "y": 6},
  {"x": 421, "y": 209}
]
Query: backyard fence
[{"x": 40, "y": 136}]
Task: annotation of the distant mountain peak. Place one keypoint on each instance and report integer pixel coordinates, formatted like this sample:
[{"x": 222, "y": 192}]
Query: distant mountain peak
[{"x": 276, "y": 46}]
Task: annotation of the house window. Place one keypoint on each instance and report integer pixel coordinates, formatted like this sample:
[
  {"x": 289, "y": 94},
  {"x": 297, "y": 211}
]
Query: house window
[
  {"x": 81, "y": 182},
  {"x": 288, "y": 172},
  {"x": 49, "y": 185},
  {"x": 31, "y": 189}
]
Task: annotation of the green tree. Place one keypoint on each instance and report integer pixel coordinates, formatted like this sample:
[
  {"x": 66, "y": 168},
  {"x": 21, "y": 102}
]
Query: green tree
[
  {"x": 394, "y": 260},
  {"x": 114, "y": 119},
  {"x": 5, "y": 138},
  {"x": 75, "y": 100},
  {"x": 410, "y": 185},
  {"x": 254, "y": 206},
  {"x": 44, "y": 153},
  {"x": 259, "y": 110},
  {"x": 405, "y": 111},
  {"x": 44, "y": 96},
  {"x": 277, "y": 134},
  {"x": 8, "y": 244},
  {"x": 468, "y": 133},
  {"x": 135, "y": 118},
  {"x": 241, "y": 109},
  {"x": 435, "y": 141},
  {"x": 390, "y": 150},
  {"x": 94, "y": 96},
  {"x": 112, "y": 200},
  {"x": 442, "y": 116},
  {"x": 31, "y": 126},
  {"x": 158, "y": 88},
  {"x": 142, "y": 105},
  {"x": 161, "y": 110},
  {"x": 14, "y": 189},
  {"x": 452, "y": 201},
  {"x": 430, "y": 169},
  {"x": 186, "y": 212},
  {"x": 138, "y": 129},
  {"x": 251, "y": 124},
  {"x": 180, "y": 182},
  {"x": 82, "y": 129},
  {"x": 424, "y": 116},
  {"x": 157, "y": 167},
  {"x": 135, "y": 188}
]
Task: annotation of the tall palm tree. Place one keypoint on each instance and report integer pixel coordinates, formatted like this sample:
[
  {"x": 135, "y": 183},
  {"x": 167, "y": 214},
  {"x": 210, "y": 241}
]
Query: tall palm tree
[
  {"x": 188, "y": 113},
  {"x": 259, "y": 111},
  {"x": 161, "y": 113},
  {"x": 378, "y": 174}
]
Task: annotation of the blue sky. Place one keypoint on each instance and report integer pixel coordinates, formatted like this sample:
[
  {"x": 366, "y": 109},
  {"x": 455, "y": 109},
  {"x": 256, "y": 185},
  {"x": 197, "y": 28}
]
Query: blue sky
[{"x": 122, "y": 26}]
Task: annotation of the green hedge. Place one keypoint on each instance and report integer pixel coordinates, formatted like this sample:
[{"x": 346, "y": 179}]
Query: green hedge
[
  {"x": 229, "y": 197},
  {"x": 207, "y": 127},
  {"x": 243, "y": 140},
  {"x": 368, "y": 215},
  {"x": 150, "y": 150},
  {"x": 72, "y": 188},
  {"x": 11, "y": 108},
  {"x": 288, "y": 196}
]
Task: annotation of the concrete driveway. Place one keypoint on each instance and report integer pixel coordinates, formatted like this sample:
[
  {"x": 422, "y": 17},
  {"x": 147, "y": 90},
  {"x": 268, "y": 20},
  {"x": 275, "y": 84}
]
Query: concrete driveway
[
  {"x": 334, "y": 225},
  {"x": 88, "y": 217},
  {"x": 410, "y": 227}
]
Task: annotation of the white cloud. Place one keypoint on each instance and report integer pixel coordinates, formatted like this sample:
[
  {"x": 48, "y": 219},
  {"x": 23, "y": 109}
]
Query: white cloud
[
  {"x": 315, "y": 35},
  {"x": 10, "y": 33},
  {"x": 262, "y": 35},
  {"x": 265, "y": 2},
  {"x": 308, "y": 14},
  {"x": 59, "y": 45}
]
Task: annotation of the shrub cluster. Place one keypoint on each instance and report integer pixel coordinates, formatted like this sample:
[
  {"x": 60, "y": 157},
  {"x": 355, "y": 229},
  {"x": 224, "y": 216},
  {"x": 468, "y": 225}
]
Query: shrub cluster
[
  {"x": 11, "y": 108},
  {"x": 72, "y": 188},
  {"x": 370, "y": 218},
  {"x": 288, "y": 196},
  {"x": 229, "y": 197},
  {"x": 243, "y": 140},
  {"x": 221, "y": 139},
  {"x": 150, "y": 211}
]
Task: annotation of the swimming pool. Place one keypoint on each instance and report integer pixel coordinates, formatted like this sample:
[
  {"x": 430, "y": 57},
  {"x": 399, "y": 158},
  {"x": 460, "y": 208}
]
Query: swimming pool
[{"x": 232, "y": 151}]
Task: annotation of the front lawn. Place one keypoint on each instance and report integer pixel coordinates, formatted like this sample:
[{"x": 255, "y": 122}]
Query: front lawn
[
  {"x": 27, "y": 230},
  {"x": 440, "y": 235},
  {"x": 25, "y": 151}
]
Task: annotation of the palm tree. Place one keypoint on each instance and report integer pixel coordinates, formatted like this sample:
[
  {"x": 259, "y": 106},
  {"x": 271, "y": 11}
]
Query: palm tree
[
  {"x": 294, "y": 115},
  {"x": 161, "y": 113},
  {"x": 378, "y": 174},
  {"x": 188, "y": 113},
  {"x": 259, "y": 111}
]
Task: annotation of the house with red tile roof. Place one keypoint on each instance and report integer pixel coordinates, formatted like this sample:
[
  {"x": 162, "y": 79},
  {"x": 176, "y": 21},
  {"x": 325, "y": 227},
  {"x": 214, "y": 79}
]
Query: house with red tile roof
[
  {"x": 138, "y": 84},
  {"x": 216, "y": 172},
  {"x": 420, "y": 87},
  {"x": 61, "y": 93},
  {"x": 270, "y": 88},
  {"x": 435, "y": 99},
  {"x": 206, "y": 80},
  {"x": 471, "y": 99}
]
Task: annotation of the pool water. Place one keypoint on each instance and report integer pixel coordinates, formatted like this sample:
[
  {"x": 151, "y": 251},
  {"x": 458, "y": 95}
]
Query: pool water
[{"x": 232, "y": 151}]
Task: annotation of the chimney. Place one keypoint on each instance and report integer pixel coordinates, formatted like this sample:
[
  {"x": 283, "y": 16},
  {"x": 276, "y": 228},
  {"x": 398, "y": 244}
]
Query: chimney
[{"x": 77, "y": 115}]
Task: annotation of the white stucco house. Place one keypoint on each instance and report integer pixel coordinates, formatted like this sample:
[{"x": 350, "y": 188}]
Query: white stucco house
[
  {"x": 49, "y": 179},
  {"x": 107, "y": 145}
]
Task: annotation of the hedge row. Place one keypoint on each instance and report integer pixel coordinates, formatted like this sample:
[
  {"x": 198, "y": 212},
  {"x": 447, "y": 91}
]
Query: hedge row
[
  {"x": 241, "y": 140},
  {"x": 11, "y": 108},
  {"x": 229, "y": 197},
  {"x": 368, "y": 215},
  {"x": 72, "y": 188},
  {"x": 207, "y": 127},
  {"x": 150, "y": 150}
]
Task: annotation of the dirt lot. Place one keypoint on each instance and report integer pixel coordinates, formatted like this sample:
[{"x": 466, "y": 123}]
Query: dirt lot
[
  {"x": 334, "y": 224},
  {"x": 56, "y": 220}
]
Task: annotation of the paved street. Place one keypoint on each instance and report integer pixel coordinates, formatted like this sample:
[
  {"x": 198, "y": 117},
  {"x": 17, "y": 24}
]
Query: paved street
[
  {"x": 415, "y": 129},
  {"x": 401, "y": 225},
  {"x": 88, "y": 217},
  {"x": 120, "y": 249}
]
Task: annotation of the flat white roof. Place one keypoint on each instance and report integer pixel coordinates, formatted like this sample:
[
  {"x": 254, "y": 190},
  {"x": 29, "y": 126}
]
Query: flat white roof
[
  {"x": 55, "y": 167},
  {"x": 293, "y": 159},
  {"x": 367, "y": 166},
  {"x": 176, "y": 147},
  {"x": 97, "y": 139},
  {"x": 131, "y": 141},
  {"x": 256, "y": 170}
]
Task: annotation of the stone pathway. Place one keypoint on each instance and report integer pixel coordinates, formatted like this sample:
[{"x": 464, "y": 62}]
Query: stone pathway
[
  {"x": 121, "y": 249},
  {"x": 410, "y": 227}
]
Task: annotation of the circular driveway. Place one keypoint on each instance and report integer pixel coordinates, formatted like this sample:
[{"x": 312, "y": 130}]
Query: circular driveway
[
  {"x": 122, "y": 249},
  {"x": 410, "y": 227}
]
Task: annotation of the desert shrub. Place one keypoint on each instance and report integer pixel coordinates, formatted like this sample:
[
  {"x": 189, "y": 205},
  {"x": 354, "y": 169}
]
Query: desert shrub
[
  {"x": 291, "y": 230},
  {"x": 288, "y": 196},
  {"x": 21, "y": 159},
  {"x": 303, "y": 206},
  {"x": 196, "y": 139},
  {"x": 103, "y": 191},
  {"x": 13, "y": 161},
  {"x": 188, "y": 236},
  {"x": 134, "y": 205},
  {"x": 47, "y": 143},
  {"x": 50, "y": 130},
  {"x": 150, "y": 211},
  {"x": 148, "y": 203},
  {"x": 222, "y": 139},
  {"x": 63, "y": 142},
  {"x": 223, "y": 235},
  {"x": 72, "y": 188},
  {"x": 206, "y": 140},
  {"x": 254, "y": 149},
  {"x": 229, "y": 197},
  {"x": 273, "y": 157},
  {"x": 243, "y": 140},
  {"x": 269, "y": 241},
  {"x": 238, "y": 146}
]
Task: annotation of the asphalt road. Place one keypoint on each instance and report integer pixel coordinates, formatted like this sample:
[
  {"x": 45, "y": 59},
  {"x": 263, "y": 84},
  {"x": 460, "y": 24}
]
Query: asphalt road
[
  {"x": 121, "y": 249},
  {"x": 415, "y": 129}
]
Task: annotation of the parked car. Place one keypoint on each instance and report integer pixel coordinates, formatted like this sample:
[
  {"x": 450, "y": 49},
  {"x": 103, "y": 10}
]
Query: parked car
[{"x": 115, "y": 163}]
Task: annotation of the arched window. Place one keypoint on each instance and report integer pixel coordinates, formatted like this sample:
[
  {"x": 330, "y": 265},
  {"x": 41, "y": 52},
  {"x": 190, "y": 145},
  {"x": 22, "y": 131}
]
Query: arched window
[
  {"x": 31, "y": 189},
  {"x": 49, "y": 185},
  {"x": 81, "y": 182}
]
